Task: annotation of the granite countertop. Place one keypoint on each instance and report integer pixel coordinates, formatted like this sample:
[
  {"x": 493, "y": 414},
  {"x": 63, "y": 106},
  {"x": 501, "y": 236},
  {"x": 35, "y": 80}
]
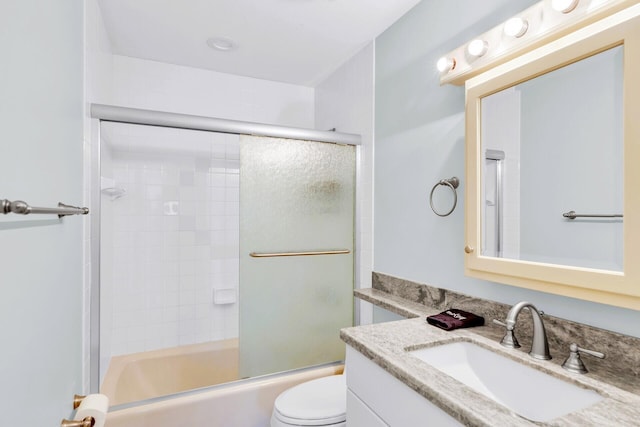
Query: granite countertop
[{"x": 386, "y": 344}]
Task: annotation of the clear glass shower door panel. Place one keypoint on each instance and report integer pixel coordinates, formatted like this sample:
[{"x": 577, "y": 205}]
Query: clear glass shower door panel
[
  {"x": 169, "y": 253},
  {"x": 295, "y": 197}
]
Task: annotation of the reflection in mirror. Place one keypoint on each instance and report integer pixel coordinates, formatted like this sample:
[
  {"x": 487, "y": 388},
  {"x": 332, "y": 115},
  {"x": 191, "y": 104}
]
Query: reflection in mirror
[{"x": 551, "y": 145}]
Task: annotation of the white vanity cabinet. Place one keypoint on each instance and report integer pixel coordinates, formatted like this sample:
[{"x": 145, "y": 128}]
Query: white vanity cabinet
[
  {"x": 359, "y": 414},
  {"x": 376, "y": 398}
]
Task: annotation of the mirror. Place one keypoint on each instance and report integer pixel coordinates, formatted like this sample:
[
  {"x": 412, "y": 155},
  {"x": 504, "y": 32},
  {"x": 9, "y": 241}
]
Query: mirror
[
  {"x": 550, "y": 140},
  {"x": 552, "y": 145}
]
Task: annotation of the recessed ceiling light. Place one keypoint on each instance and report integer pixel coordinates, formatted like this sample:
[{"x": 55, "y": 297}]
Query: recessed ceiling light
[{"x": 221, "y": 43}]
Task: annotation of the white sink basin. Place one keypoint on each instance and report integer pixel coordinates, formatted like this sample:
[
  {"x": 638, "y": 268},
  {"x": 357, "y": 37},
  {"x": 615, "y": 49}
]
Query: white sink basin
[{"x": 526, "y": 391}]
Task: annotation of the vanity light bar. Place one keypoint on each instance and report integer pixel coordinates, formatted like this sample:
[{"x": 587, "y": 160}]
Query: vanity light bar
[{"x": 543, "y": 22}]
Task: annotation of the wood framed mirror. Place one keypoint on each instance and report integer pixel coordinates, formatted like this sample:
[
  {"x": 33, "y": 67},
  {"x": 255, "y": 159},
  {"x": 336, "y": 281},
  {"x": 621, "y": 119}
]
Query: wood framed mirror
[{"x": 553, "y": 131}]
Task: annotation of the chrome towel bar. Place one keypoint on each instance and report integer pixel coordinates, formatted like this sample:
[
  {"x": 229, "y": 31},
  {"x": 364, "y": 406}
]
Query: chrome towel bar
[
  {"x": 280, "y": 254},
  {"x": 22, "y": 208},
  {"x": 574, "y": 215}
]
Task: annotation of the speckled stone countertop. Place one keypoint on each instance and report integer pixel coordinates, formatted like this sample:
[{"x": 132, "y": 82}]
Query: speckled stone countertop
[{"x": 387, "y": 345}]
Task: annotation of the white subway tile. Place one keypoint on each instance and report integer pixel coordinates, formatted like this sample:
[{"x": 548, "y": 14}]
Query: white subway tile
[
  {"x": 186, "y": 313},
  {"x": 187, "y": 207},
  {"x": 217, "y": 179},
  {"x": 170, "y": 223},
  {"x": 169, "y": 315},
  {"x": 217, "y": 208},
  {"x": 172, "y": 299},
  {"x": 187, "y": 194},
  {"x": 153, "y": 192},
  {"x": 187, "y": 238},
  {"x": 187, "y": 300},
  {"x": 187, "y": 222},
  {"x": 187, "y": 268}
]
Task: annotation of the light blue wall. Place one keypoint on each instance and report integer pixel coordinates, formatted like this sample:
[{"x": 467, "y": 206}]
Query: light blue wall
[
  {"x": 41, "y": 81},
  {"x": 419, "y": 139}
]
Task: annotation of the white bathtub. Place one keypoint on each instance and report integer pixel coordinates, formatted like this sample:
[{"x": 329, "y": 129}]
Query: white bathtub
[
  {"x": 246, "y": 403},
  {"x": 141, "y": 376}
]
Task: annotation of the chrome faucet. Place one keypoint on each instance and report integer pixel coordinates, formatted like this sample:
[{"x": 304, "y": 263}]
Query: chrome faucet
[{"x": 539, "y": 345}]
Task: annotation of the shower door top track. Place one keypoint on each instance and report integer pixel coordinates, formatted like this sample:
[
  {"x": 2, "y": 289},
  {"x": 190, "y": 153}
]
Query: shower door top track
[{"x": 188, "y": 121}]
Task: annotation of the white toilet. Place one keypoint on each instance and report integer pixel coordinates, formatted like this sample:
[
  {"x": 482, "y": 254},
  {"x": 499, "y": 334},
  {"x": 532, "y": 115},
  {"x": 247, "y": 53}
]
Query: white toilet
[{"x": 319, "y": 402}]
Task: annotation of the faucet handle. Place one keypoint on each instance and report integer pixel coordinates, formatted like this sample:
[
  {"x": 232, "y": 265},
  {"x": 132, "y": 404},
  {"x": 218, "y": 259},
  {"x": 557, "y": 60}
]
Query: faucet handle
[
  {"x": 509, "y": 340},
  {"x": 574, "y": 362}
]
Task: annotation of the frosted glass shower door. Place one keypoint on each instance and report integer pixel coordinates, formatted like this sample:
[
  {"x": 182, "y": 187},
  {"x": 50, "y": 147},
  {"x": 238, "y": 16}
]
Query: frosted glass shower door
[{"x": 295, "y": 197}]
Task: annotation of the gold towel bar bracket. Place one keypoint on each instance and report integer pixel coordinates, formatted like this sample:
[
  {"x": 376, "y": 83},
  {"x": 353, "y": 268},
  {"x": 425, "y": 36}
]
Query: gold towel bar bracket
[
  {"x": 77, "y": 400},
  {"x": 87, "y": 422}
]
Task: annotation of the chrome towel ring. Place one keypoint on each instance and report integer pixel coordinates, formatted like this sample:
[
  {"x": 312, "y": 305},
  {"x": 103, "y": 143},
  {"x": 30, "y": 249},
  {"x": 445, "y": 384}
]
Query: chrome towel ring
[{"x": 452, "y": 183}]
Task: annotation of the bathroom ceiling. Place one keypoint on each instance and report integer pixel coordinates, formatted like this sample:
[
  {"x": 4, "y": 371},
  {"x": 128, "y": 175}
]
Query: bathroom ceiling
[{"x": 292, "y": 41}]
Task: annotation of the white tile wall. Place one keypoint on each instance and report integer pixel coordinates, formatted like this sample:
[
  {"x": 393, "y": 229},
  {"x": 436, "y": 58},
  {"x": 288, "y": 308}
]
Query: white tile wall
[
  {"x": 345, "y": 101},
  {"x": 174, "y": 239}
]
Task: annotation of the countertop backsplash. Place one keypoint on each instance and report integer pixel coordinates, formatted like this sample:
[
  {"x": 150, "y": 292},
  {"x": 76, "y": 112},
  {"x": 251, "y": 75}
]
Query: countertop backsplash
[{"x": 621, "y": 367}]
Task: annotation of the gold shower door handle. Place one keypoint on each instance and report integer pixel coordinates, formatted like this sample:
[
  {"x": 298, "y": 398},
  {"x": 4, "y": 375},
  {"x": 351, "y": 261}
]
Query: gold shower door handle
[{"x": 310, "y": 253}]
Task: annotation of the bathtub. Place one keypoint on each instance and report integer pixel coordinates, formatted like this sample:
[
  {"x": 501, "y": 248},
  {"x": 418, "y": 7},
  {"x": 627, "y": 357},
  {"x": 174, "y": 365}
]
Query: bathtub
[
  {"x": 141, "y": 376},
  {"x": 245, "y": 403}
]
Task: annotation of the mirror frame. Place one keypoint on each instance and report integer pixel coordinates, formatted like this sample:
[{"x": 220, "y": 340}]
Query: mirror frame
[{"x": 609, "y": 287}]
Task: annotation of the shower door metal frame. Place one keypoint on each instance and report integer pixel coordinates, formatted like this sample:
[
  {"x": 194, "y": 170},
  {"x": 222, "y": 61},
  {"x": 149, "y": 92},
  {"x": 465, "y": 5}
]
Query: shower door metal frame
[
  {"x": 497, "y": 156},
  {"x": 110, "y": 113}
]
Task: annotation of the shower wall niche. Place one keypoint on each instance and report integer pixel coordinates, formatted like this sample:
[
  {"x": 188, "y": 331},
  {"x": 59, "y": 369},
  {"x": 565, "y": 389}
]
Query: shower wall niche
[{"x": 170, "y": 239}]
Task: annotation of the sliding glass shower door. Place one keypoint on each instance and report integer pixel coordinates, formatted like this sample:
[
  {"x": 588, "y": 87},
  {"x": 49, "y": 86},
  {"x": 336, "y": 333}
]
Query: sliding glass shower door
[
  {"x": 296, "y": 252},
  {"x": 183, "y": 304}
]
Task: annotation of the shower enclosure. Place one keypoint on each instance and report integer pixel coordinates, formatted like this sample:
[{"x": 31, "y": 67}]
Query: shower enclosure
[{"x": 222, "y": 255}]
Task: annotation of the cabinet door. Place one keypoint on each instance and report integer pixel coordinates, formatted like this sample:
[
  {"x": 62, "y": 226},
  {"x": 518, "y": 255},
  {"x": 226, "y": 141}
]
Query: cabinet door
[
  {"x": 360, "y": 415},
  {"x": 391, "y": 399}
]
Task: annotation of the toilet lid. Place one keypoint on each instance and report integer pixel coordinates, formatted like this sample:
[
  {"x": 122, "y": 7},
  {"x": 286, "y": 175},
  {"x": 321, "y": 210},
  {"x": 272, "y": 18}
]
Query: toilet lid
[{"x": 323, "y": 400}]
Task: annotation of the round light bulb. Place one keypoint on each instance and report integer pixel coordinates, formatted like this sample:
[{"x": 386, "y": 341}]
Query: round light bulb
[
  {"x": 516, "y": 27},
  {"x": 445, "y": 64},
  {"x": 564, "y": 6},
  {"x": 477, "y": 47}
]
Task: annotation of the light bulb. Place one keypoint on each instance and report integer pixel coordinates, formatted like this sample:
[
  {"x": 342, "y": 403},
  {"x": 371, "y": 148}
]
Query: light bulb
[
  {"x": 445, "y": 64},
  {"x": 516, "y": 27},
  {"x": 564, "y": 6},
  {"x": 477, "y": 48}
]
